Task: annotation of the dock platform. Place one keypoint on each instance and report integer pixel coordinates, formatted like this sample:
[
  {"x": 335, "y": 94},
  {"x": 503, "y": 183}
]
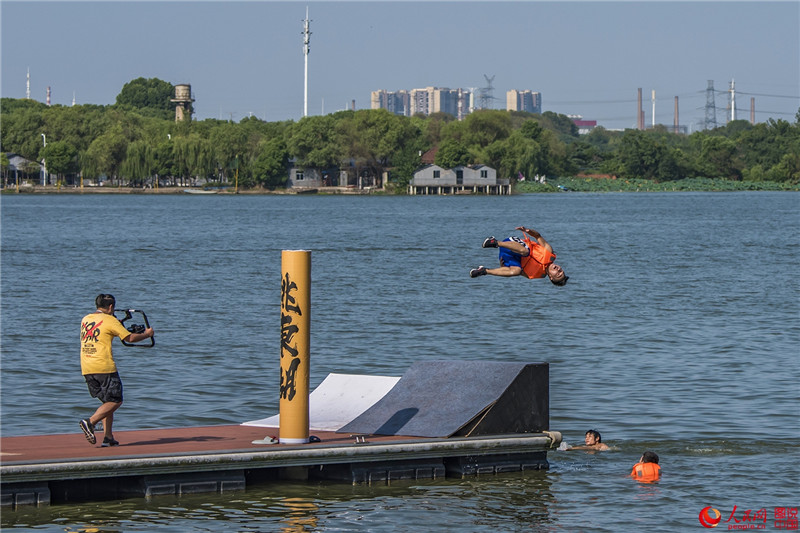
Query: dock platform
[{"x": 43, "y": 469}]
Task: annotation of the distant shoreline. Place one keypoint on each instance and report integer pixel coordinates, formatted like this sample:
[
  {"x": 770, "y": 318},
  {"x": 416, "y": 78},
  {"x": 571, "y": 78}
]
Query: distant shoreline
[
  {"x": 572, "y": 185},
  {"x": 52, "y": 189}
]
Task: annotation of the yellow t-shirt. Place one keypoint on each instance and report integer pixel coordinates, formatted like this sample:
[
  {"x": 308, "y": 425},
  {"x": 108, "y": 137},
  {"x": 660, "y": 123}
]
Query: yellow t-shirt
[{"x": 97, "y": 331}]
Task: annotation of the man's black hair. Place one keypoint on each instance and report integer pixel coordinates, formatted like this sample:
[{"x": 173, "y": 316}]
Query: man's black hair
[
  {"x": 104, "y": 300},
  {"x": 650, "y": 457},
  {"x": 595, "y": 434},
  {"x": 560, "y": 282}
]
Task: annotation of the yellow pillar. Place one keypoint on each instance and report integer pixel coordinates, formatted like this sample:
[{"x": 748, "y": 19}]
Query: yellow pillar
[{"x": 295, "y": 345}]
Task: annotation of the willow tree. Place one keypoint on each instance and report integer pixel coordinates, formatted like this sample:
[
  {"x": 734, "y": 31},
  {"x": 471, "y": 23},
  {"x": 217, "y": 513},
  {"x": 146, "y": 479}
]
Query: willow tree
[
  {"x": 105, "y": 154},
  {"x": 193, "y": 157},
  {"x": 140, "y": 162}
]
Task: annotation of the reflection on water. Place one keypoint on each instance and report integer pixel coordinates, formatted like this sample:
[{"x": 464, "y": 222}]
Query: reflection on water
[
  {"x": 300, "y": 515},
  {"x": 515, "y": 501}
]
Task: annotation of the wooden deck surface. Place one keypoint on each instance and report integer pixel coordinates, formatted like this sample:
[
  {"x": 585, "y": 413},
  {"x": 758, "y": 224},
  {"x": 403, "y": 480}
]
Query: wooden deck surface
[{"x": 159, "y": 442}]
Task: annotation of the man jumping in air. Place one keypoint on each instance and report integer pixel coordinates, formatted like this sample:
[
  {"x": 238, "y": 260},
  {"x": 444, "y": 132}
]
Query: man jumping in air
[{"x": 533, "y": 259}]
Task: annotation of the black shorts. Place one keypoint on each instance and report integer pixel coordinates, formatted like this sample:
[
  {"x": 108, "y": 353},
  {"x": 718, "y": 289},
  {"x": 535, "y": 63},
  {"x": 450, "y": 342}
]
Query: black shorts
[{"x": 105, "y": 387}]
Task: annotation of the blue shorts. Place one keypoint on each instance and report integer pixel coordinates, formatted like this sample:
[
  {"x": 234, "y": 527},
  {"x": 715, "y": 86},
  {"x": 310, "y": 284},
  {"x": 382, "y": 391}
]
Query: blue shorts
[{"x": 509, "y": 258}]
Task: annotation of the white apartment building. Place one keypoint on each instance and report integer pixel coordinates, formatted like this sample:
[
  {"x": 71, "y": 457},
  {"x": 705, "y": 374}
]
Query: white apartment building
[
  {"x": 456, "y": 102},
  {"x": 523, "y": 101}
]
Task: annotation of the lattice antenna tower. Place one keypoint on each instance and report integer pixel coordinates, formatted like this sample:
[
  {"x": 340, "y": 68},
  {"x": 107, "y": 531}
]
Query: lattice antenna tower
[
  {"x": 306, "y": 50},
  {"x": 486, "y": 94},
  {"x": 711, "y": 107}
]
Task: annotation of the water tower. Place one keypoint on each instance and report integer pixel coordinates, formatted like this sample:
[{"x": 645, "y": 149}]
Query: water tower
[{"x": 183, "y": 97}]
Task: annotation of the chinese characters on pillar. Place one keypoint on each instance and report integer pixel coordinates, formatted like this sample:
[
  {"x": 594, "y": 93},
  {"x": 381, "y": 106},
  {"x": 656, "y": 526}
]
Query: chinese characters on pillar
[{"x": 290, "y": 310}]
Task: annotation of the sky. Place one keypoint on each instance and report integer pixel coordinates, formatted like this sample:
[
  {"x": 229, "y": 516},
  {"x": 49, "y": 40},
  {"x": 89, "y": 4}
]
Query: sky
[{"x": 246, "y": 58}]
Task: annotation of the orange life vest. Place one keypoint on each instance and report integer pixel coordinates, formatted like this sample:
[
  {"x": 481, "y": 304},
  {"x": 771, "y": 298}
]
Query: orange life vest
[
  {"x": 536, "y": 263},
  {"x": 647, "y": 472}
]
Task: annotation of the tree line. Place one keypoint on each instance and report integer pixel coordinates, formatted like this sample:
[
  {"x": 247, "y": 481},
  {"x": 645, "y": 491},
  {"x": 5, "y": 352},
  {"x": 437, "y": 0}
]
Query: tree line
[{"x": 136, "y": 142}]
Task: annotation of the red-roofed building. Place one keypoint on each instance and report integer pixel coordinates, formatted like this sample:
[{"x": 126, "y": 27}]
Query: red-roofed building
[{"x": 584, "y": 126}]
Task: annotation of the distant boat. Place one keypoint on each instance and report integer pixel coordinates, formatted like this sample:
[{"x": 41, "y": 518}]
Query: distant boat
[{"x": 198, "y": 191}]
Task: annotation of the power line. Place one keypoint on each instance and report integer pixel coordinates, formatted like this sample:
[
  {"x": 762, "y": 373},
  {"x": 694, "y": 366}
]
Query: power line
[
  {"x": 771, "y": 95},
  {"x": 774, "y": 112},
  {"x": 576, "y": 102}
]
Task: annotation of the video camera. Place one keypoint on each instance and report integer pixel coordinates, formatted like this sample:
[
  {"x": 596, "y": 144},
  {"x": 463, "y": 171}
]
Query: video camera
[{"x": 127, "y": 314}]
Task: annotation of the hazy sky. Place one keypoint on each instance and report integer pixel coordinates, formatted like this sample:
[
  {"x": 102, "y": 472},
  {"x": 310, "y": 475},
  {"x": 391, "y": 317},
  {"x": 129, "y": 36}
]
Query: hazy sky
[{"x": 243, "y": 58}]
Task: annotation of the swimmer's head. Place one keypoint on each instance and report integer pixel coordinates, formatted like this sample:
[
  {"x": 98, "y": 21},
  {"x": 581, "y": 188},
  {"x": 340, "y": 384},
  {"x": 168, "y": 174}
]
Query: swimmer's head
[
  {"x": 649, "y": 457},
  {"x": 592, "y": 437},
  {"x": 557, "y": 275}
]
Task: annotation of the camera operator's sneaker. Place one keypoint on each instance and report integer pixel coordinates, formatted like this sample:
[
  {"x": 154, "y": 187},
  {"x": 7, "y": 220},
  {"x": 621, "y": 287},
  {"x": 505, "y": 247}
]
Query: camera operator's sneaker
[
  {"x": 490, "y": 242},
  {"x": 88, "y": 430},
  {"x": 475, "y": 272},
  {"x": 109, "y": 442}
]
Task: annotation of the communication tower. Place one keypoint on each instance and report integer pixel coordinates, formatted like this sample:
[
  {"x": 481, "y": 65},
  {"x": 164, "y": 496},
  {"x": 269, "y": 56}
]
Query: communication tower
[
  {"x": 486, "y": 94},
  {"x": 28, "y": 85},
  {"x": 732, "y": 101},
  {"x": 711, "y": 108},
  {"x": 306, "y": 50},
  {"x": 183, "y": 97}
]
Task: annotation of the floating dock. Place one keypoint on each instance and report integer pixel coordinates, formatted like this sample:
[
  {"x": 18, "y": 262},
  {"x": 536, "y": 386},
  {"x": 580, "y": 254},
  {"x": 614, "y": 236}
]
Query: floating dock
[
  {"x": 440, "y": 419},
  {"x": 47, "y": 469}
]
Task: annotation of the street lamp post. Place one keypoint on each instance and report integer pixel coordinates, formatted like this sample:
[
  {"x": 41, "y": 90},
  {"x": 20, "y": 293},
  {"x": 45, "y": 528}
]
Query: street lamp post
[{"x": 44, "y": 161}]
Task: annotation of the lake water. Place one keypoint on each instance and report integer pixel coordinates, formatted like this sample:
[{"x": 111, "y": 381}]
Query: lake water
[{"x": 678, "y": 332}]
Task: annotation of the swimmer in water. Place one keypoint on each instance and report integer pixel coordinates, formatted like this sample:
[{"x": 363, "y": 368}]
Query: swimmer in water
[
  {"x": 593, "y": 441},
  {"x": 647, "y": 469}
]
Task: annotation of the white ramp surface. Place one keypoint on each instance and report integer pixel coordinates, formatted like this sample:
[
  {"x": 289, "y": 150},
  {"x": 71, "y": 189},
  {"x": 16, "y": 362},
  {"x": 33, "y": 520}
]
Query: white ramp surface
[{"x": 338, "y": 400}]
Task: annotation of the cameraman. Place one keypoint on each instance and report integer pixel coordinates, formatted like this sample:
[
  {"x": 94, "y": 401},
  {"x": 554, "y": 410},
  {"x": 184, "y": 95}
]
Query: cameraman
[{"x": 98, "y": 329}]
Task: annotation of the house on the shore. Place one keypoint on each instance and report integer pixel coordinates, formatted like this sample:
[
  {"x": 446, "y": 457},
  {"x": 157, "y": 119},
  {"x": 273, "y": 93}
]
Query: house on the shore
[
  {"x": 346, "y": 177},
  {"x": 20, "y": 170},
  {"x": 478, "y": 179}
]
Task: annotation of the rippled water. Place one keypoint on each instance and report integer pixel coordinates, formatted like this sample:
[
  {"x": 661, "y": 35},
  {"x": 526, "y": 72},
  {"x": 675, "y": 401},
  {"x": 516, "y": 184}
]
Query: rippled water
[{"x": 678, "y": 332}]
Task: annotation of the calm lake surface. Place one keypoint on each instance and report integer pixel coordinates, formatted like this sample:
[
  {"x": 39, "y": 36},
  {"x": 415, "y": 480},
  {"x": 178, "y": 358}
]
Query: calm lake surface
[{"x": 678, "y": 332}]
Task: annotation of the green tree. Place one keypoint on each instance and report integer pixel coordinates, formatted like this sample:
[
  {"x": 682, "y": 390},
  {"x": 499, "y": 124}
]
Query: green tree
[
  {"x": 314, "y": 142},
  {"x": 193, "y": 158},
  {"x": 140, "y": 162},
  {"x": 105, "y": 154},
  {"x": 434, "y": 125},
  {"x": 718, "y": 158},
  {"x": 60, "y": 158},
  {"x": 788, "y": 169},
  {"x": 77, "y": 125},
  {"x": 640, "y": 156},
  {"x": 408, "y": 159},
  {"x": 561, "y": 125},
  {"x": 4, "y": 164},
  {"x": 514, "y": 155},
  {"x": 148, "y": 94},
  {"x": 22, "y": 131},
  {"x": 451, "y": 154},
  {"x": 371, "y": 138},
  {"x": 480, "y": 129},
  {"x": 230, "y": 144},
  {"x": 271, "y": 164}
]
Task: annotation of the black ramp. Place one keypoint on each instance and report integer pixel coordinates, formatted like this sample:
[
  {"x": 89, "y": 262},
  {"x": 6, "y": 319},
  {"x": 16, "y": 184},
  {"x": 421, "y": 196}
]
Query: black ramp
[{"x": 445, "y": 398}]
